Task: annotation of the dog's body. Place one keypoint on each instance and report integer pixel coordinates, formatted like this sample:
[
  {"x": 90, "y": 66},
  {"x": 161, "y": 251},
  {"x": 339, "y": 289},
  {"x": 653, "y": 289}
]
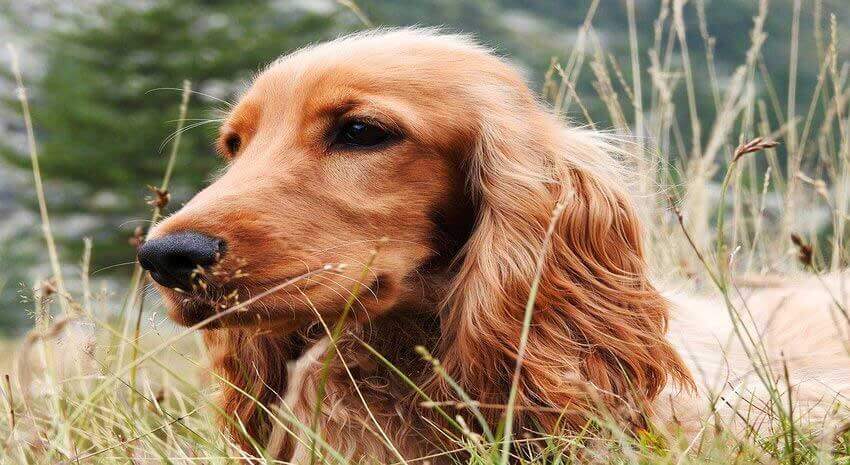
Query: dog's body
[
  {"x": 794, "y": 328},
  {"x": 795, "y": 322},
  {"x": 486, "y": 199}
]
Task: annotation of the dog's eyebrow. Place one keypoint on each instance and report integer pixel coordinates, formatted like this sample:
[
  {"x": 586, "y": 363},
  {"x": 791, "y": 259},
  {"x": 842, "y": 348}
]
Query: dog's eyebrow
[
  {"x": 362, "y": 108},
  {"x": 337, "y": 109},
  {"x": 242, "y": 122},
  {"x": 244, "y": 118}
]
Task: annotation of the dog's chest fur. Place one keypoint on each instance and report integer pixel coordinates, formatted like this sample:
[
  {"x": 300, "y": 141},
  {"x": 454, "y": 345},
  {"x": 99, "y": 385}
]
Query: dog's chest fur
[{"x": 367, "y": 406}]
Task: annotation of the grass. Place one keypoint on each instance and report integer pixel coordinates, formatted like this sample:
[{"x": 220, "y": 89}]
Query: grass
[{"x": 90, "y": 388}]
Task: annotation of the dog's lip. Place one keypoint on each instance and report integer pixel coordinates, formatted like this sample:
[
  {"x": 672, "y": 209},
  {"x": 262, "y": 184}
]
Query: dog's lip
[
  {"x": 192, "y": 308},
  {"x": 259, "y": 287},
  {"x": 245, "y": 285}
]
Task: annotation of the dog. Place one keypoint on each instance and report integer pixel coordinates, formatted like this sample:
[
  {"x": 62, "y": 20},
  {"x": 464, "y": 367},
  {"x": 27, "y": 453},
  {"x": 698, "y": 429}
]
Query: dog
[{"x": 423, "y": 163}]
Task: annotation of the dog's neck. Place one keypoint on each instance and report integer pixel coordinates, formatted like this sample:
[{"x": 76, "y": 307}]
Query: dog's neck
[{"x": 254, "y": 362}]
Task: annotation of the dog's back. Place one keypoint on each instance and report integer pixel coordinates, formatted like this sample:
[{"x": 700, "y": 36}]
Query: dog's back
[{"x": 744, "y": 359}]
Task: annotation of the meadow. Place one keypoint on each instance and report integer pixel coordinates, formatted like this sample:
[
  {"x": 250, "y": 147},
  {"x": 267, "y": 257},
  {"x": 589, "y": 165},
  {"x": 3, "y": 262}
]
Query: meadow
[{"x": 738, "y": 195}]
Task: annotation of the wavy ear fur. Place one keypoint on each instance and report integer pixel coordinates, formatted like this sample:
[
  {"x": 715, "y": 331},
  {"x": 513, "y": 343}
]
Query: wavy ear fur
[{"x": 597, "y": 342}]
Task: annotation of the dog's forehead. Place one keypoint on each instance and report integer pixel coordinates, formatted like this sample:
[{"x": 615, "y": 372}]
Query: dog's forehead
[
  {"x": 415, "y": 73},
  {"x": 397, "y": 61}
]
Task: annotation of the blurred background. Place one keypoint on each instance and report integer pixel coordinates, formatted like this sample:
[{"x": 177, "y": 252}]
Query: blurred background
[{"x": 104, "y": 76}]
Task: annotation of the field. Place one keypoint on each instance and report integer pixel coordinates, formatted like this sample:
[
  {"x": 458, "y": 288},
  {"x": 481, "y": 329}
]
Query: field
[{"x": 757, "y": 191}]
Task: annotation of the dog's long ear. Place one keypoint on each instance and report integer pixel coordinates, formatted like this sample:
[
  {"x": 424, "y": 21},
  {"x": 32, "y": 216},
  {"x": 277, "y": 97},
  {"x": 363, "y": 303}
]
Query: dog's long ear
[{"x": 598, "y": 330}]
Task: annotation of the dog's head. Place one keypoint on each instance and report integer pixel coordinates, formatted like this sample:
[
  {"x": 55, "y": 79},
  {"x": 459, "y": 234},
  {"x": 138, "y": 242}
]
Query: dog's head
[
  {"x": 437, "y": 145},
  {"x": 331, "y": 150}
]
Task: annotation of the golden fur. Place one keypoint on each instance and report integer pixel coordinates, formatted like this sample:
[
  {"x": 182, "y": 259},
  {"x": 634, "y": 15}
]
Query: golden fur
[{"x": 465, "y": 198}]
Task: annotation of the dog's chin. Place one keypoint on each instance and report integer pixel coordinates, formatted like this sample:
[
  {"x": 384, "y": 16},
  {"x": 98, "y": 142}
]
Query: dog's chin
[{"x": 190, "y": 312}]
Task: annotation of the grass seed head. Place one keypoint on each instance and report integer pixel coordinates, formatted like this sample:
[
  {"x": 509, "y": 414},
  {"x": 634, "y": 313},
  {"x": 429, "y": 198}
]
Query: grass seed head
[
  {"x": 160, "y": 197},
  {"x": 756, "y": 145},
  {"x": 48, "y": 288},
  {"x": 804, "y": 251}
]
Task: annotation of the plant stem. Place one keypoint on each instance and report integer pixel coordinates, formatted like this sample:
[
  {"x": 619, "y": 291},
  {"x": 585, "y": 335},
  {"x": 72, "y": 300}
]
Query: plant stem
[
  {"x": 139, "y": 277},
  {"x": 39, "y": 186}
]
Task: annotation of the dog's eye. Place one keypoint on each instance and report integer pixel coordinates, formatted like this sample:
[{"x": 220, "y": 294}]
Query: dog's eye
[
  {"x": 233, "y": 143},
  {"x": 361, "y": 134}
]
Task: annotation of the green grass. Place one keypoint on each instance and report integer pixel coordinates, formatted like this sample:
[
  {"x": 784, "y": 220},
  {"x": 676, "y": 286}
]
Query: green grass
[{"x": 92, "y": 388}]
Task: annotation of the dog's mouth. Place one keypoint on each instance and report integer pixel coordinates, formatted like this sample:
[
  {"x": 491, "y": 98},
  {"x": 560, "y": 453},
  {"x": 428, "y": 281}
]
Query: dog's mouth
[
  {"x": 212, "y": 306},
  {"x": 230, "y": 293}
]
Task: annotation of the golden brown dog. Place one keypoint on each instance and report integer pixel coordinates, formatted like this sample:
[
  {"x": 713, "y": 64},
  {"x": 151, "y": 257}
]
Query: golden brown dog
[{"x": 435, "y": 144}]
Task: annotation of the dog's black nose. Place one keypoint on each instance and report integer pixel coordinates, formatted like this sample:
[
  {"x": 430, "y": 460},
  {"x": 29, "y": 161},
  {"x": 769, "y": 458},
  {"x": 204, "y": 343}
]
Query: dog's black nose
[{"x": 172, "y": 259}]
